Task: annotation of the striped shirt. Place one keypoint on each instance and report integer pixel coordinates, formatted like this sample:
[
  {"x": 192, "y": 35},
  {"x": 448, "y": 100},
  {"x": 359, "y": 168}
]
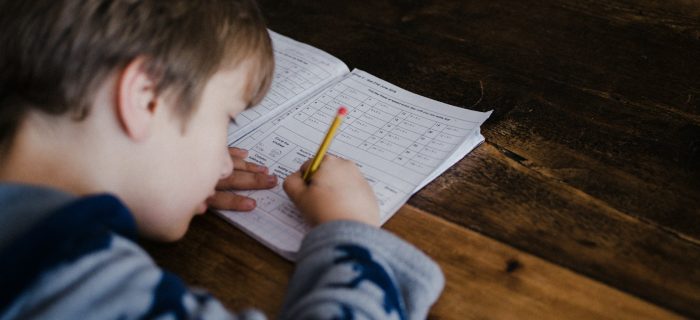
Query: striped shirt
[{"x": 63, "y": 257}]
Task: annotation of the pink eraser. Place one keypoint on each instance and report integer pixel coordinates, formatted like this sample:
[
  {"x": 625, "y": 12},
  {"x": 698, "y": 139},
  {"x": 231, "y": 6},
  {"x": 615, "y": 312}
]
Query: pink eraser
[{"x": 342, "y": 111}]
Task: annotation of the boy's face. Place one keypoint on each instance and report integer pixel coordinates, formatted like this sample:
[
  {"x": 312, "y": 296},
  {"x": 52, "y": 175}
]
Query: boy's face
[{"x": 187, "y": 165}]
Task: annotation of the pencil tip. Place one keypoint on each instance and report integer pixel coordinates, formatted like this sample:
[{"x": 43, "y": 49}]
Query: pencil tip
[{"x": 342, "y": 111}]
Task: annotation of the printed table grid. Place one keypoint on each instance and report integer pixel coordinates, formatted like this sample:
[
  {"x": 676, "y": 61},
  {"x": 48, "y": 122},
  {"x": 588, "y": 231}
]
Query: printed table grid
[
  {"x": 289, "y": 80},
  {"x": 402, "y": 137}
]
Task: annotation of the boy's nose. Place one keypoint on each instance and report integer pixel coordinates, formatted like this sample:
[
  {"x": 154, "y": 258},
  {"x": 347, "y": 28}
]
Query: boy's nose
[{"x": 227, "y": 166}]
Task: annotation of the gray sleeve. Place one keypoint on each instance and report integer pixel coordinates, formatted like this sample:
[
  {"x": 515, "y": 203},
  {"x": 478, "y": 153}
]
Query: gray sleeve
[
  {"x": 118, "y": 282},
  {"x": 349, "y": 270}
]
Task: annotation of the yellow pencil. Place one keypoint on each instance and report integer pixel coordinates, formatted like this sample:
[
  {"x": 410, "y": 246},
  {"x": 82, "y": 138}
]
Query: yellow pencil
[{"x": 342, "y": 111}]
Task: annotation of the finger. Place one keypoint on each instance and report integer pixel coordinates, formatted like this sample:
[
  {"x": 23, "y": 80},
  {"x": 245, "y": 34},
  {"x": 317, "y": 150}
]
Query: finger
[
  {"x": 242, "y": 180},
  {"x": 306, "y": 165},
  {"x": 294, "y": 185},
  {"x": 331, "y": 158},
  {"x": 230, "y": 201},
  {"x": 240, "y": 164},
  {"x": 237, "y": 153}
]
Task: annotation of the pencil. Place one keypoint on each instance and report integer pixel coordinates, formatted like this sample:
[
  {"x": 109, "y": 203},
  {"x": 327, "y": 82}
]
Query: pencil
[{"x": 342, "y": 111}]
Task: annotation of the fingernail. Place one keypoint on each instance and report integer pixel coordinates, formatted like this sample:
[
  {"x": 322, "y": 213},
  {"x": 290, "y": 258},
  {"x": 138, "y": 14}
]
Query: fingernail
[
  {"x": 258, "y": 168},
  {"x": 271, "y": 179},
  {"x": 249, "y": 204}
]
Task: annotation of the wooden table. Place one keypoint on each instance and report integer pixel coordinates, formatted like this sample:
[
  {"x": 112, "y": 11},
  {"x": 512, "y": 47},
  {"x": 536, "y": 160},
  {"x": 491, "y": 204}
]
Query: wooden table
[{"x": 584, "y": 200}]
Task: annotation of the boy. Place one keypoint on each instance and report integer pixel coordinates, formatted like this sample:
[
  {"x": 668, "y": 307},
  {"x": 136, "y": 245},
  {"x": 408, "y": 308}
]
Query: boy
[{"x": 113, "y": 117}]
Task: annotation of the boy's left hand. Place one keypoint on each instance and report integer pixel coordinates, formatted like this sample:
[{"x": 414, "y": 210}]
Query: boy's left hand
[{"x": 245, "y": 176}]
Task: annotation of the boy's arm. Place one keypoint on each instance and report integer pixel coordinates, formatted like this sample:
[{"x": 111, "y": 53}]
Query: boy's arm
[
  {"x": 347, "y": 268},
  {"x": 350, "y": 270}
]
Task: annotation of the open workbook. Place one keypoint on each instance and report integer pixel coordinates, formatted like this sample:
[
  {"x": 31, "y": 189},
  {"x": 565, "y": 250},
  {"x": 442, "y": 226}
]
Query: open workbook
[{"x": 400, "y": 141}]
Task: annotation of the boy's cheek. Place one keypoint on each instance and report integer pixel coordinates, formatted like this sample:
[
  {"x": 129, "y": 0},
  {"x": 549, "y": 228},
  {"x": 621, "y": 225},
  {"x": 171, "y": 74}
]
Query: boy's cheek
[
  {"x": 183, "y": 225},
  {"x": 164, "y": 227}
]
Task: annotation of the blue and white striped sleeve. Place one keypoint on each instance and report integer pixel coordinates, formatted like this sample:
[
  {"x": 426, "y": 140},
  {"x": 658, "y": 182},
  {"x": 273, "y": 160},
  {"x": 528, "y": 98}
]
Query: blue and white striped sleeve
[
  {"x": 349, "y": 270},
  {"x": 81, "y": 262},
  {"x": 116, "y": 282}
]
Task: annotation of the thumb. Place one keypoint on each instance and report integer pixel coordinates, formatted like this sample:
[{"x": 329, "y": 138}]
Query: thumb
[{"x": 294, "y": 185}]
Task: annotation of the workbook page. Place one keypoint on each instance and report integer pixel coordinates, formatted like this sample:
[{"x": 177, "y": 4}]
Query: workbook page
[
  {"x": 300, "y": 70},
  {"x": 398, "y": 140}
]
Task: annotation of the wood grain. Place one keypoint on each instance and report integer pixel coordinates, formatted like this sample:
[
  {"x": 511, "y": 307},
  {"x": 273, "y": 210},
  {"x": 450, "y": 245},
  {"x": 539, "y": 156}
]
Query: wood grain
[
  {"x": 487, "y": 279},
  {"x": 568, "y": 227}
]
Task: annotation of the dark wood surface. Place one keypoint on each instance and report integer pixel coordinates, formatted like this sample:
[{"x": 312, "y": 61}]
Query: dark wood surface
[{"x": 585, "y": 199}]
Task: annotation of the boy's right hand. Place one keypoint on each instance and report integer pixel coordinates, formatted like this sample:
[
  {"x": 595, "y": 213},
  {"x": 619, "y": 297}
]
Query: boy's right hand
[{"x": 336, "y": 191}]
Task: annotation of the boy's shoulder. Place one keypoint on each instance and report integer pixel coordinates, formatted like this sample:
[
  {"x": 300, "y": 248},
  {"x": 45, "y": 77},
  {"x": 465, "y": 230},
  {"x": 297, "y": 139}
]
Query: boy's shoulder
[
  {"x": 77, "y": 258},
  {"x": 55, "y": 240},
  {"x": 42, "y": 229},
  {"x": 23, "y": 206},
  {"x": 35, "y": 216}
]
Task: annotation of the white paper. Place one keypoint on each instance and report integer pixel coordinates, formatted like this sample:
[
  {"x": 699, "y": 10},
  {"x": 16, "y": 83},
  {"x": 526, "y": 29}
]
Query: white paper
[
  {"x": 300, "y": 70},
  {"x": 399, "y": 140}
]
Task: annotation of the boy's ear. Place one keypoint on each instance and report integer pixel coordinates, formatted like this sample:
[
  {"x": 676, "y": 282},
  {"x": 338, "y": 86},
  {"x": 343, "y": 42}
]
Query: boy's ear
[{"x": 136, "y": 100}]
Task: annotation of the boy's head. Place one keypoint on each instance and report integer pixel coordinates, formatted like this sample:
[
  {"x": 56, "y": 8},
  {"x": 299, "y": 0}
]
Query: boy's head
[{"x": 147, "y": 86}]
